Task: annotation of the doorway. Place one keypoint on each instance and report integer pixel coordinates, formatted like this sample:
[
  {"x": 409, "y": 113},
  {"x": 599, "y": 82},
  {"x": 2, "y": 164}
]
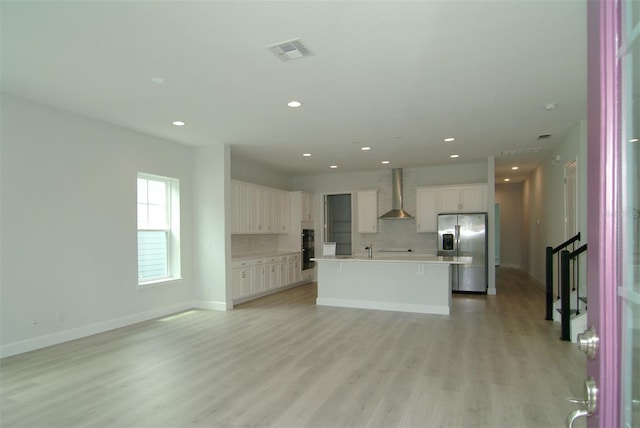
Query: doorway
[{"x": 337, "y": 222}]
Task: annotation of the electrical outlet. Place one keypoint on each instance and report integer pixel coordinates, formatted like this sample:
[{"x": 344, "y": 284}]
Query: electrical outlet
[
  {"x": 35, "y": 322},
  {"x": 60, "y": 317}
]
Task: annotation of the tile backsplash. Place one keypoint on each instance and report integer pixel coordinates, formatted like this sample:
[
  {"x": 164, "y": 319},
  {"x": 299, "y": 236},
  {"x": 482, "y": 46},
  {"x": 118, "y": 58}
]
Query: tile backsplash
[
  {"x": 396, "y": 235},
  {"x": 251, "y": 245}
]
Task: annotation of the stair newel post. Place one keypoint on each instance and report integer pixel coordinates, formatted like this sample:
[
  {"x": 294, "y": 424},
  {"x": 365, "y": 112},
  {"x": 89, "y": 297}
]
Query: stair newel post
[
  {"x": 565, "y": 304},
  {"x": 558, "y": 293},
  {"x": 549, "y": 282},
  {"x": 576, "y": 280}
]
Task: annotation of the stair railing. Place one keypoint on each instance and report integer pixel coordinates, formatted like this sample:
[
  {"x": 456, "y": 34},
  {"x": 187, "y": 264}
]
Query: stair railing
[
  {"x": 565, "y": 293},
  {"x": 550, "y": 251}
]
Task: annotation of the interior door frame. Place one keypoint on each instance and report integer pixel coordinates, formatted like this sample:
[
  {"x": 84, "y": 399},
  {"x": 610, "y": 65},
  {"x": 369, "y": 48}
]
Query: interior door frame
[
  {"x": 325, "y": 214},
  {"x": 604, "y": 164}
]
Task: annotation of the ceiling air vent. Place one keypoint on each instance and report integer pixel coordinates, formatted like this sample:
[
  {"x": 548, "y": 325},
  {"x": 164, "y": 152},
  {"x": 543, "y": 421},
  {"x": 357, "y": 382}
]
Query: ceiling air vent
[
  {"x": 544, "y": 136},
  {"x": 520, "y": 152},
  {"x": 289, "y": 50}
]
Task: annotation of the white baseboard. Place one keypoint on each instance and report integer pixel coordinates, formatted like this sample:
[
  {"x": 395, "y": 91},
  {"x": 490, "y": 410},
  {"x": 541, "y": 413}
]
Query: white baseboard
[
  {"x": 383, "y": 306},
  {"x": 211, "y": 305},
  {"x": 89, "y": 330}
]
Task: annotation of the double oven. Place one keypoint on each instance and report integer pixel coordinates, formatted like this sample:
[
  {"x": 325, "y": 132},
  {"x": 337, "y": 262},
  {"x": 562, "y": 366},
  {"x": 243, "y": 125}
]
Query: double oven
[{"x": 308, "y": 251}]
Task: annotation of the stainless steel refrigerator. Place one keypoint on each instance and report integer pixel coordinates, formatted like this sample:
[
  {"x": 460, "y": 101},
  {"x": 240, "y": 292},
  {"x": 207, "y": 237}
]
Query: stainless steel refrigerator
[{"x": 465, "y": 235}]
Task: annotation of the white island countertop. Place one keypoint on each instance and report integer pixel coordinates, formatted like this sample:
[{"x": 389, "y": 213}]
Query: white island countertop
[{"x": 398, "y": 258}]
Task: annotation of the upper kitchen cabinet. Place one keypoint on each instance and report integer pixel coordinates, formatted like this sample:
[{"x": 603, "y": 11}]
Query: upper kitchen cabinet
[
  {"x": 367, "y": 211},
  {"x": 282, "y": 214},
  {"x": 465, "y": 198},
  {"x": 426, "y": 209},
  {"x": 241, "y": 206},
  {"x": 258, "y": 209},
  {"x": 307, "y": 206},
  {"x": 431, "y": 201}
]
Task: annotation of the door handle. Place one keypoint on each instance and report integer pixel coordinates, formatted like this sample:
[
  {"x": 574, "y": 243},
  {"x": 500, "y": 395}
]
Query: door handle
[
  {"x": 589, "y": 403},
  {"x": 575, "y": 415}
]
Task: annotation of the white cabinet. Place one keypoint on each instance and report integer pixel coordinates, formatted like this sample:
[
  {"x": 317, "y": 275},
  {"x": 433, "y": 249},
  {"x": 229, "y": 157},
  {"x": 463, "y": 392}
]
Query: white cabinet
[
  {"x": 466, "y": 198},
  {"x": 258, "y": 209},
  {"x": 258, "y": 276},
  {"x": 253, "y": 277},
  {"x": 449, "y": 200},
  {"x": 367, "y": 211},
  {"x": 426, "y": 210},
  {"x": 271, "y": 273},
  {"x": 242, "y": 279},
  {"x": 307, "y": 207},
  {"x": 294, "y": 269},
  {"x": 281, "y": 211},
  {"x": 241, "y": 203},
  {"x": 431, "y": 201},
  {"x": 473, "y": 198},
  {"x": 284, "y": 271}
]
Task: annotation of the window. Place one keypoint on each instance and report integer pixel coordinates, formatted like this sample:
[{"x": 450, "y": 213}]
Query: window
[{"x": 158, "y": 229}]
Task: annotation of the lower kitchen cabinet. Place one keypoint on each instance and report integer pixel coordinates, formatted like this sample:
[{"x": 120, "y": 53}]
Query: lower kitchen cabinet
[
  {"x": 242, "y": 279},
  {"x": 251, "y": 278}
]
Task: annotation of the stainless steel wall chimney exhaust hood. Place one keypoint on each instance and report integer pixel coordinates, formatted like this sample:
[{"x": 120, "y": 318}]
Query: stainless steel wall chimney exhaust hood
[{"x": 396, "y": 213}]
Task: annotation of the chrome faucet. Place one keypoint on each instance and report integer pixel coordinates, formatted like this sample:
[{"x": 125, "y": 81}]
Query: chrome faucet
[{"x": 370, "y": 250}]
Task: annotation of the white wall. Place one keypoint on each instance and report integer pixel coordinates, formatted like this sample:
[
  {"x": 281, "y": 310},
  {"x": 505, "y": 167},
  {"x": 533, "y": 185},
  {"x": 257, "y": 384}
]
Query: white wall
[
  {"x": 543, "y": 202},
  {"x": 254, "y": 172},
  {"x": 509, "y": 196},
  {"x": 69, "y": 243},
  {"x": 212, "y": 219}
]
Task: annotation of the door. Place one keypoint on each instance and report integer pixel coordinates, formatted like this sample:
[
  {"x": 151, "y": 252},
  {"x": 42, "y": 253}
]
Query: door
[
  {"x": 337, "y": 217},
  {"x": 614, "y": 203}
]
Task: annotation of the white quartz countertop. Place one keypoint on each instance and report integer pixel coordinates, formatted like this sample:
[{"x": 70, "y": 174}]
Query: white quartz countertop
[
  {"x": 263, "y": 255},
  {"x": 397, "y": 258}
]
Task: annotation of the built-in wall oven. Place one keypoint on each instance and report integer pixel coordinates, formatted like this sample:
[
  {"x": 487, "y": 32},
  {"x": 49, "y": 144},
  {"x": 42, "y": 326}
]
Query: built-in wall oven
[{"x": 308, "y": 251}]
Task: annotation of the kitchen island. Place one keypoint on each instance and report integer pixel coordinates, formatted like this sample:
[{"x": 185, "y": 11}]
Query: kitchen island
[{"x": 404, "y": 283}]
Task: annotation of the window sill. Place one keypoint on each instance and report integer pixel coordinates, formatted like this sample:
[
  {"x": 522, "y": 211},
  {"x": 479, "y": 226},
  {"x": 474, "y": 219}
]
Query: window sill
[{"x": 157, "y": 282}]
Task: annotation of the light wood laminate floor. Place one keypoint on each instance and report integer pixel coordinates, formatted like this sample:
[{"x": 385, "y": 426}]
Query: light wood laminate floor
[{"x": 282, "y": 361}]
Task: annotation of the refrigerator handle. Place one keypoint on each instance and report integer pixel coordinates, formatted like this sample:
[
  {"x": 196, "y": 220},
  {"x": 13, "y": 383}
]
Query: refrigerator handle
[{"x": 457, "y": 229}]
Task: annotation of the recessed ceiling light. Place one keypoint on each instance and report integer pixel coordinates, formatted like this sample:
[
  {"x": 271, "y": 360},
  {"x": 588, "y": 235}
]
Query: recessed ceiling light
[
  {"x": 179, "y": 123},
  {"x": 507, "y": 179},
  {"x": 294, "y": 104},
  {"x": 365, "y": 148},
  {"x": 306, "y": 155},
  {"x": 633, "y": 140},
  {"x": 449, "y": 139},
  {"x": 514, "y": 168},
  {"x": 157, "y": 80},
  {"x": 333, "y": 166},
  {"x": 385, "y": 162},
  {"x": 454, "y": 156},
  {"x": 550, "y": 106}
]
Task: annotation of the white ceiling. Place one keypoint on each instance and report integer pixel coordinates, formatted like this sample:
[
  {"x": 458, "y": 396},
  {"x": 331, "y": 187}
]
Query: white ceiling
[{"x": 398, "y": 76}]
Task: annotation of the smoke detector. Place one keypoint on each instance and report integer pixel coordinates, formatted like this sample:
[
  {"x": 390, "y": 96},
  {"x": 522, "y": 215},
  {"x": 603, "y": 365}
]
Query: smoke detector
[{"x": 290, "y": 50}]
